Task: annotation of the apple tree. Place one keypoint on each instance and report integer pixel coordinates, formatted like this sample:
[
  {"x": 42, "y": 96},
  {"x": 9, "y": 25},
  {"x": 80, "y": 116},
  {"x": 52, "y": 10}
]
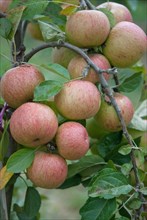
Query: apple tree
[{"x": 80, "y": 118}]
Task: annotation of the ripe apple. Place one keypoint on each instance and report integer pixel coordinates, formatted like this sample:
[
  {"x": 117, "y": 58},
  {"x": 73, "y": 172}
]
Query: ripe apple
[
  {"x": 87, "y": 28},
  {"x": 33, "y": 124},
  {"x": 107, "y": 116},
  {"x": 125, "y": 45},
  {"x": 4, "y": 4},
  {"x": 94, "y": 129},
  {"x": 17, "y": 84},
  {"x": 47, "y": 170},
  {"x": 78, "y": 64},
  {"x": 72, "y": 140},
  {"x": 62, "y": 56},
  {"x": 78, "y": 100},
  {"x": 119, "y": 11},
  {"x": 35, "y": 32}
]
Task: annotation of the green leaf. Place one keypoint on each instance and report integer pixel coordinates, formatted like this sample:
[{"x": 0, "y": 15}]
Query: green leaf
[
  {"x": 5, "y": 27},
  {"x": 131, "y": 83},
  {"x": 98, "y": 209},
  {"x": 15, "y": 16},
  {"x": 50, "y": 31},
  {"x": 70, "y": 182},
  {"x": 46, "y": 90},
  {"x": 84, "y": 163},
  {"x": 21, "y": 214},
  {"x": 109, "y": 15},
  {"x": 34, "y": 7},
  {"x": 58, "y": 70},
  {"x": 144, "y": 191},
  {"x": 20, "y": 160},
  {"x": 125, "y": 149},
  {"x": 4, "y": 142},
  {"x": 32, "y": 202},
  {"x": 126, "y": 168},
  {"x": 109, "y": 183},
  {"x": 135, "y": 203}
]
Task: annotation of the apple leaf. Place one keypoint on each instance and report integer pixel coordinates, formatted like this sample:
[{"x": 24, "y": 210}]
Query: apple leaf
[
  {"x": 84, "y": 163},
  {"x": 98, "y": 209},
  {"x": 46, "y": 90},
  {"x": 5, "y": 27},
  {"x": 20, "y": 160},
  {"x": 109, "y": 183},
  {"x": 69, "y": 10},
  {"x": 15, "y": 15},
  {"x": 138, "y": 123},
  {"x": 126, "y": 168},
  {"x": 125, "y": 149},
  {"x": 131, "y": 83},
  {"x": 144, "y": 191},
  {"x": 32, "y": 202},
  {"x": 5, "y": 176},
  {"x": 70, "y": 182},
  {"x": 58, "y": 70},
  {"x": 109, "y": 15}
]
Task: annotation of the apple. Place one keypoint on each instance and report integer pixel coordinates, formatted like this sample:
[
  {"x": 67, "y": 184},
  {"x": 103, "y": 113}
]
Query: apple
[
  {"x": 119, "y": 11},
  {"x": 33, "y": 124},
  {"x": 87, "y": 28},
  {"x": 17, "y": 84},
  {"x": 47, "y": 170},
  {"x": 94, "y": 129},
  {"x": 78, "y": 64},
  {"x": 107, "y": 117},
  {"x": 72, "y": 140},
  {"x": 125, "y": 45},
  {"x": 35, "y": 32},
  {"x": 62, "y": 56},
  {"x": 78, "y": 100},
  {"x": 4, "y": 4}
]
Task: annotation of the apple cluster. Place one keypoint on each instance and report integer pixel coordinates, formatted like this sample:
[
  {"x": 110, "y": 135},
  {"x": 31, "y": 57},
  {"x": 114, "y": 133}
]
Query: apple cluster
[{"x": 36, "y": 125}]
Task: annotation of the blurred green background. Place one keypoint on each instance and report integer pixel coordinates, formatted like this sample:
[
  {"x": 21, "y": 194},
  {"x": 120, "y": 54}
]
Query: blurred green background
[{"x": 61, "y": 204}]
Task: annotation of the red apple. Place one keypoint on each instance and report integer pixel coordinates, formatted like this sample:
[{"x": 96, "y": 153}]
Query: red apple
[
  {"x": 87, "y": 28},
  {"x": 72, "y": 140},
  {"x": 107, "y": 116},
  {"x": 119, "y": 11},
  {"x": 47, "y": 170},
  {"x": 78, "y": 100},
  {"x": 17, "y": 84},
  {"x": 78, "y": 64},
  {"x": 4, "y": 4},
  {"x": 33, "y": 124},
  {"x": 125, "y": 45},
  {"x": 35, "y": 32}
]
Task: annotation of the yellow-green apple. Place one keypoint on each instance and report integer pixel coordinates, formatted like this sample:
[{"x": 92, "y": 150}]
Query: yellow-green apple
[
  {"x": 94, "y": 129},
  {"x": 125, "y": 45},
  {"x": 119, "y": 11},
  {"x": 77, "y": 65},
  {"x": 33, "y": 124},
  {"x": 107, "y": 116},
  {"x": 17, "y": 84},
  {"x": 87, "y": 28},
  {"x": 35, "y": 32},
  {"x": 47, "y": 170},
  {"x": 78, "y": 99},
  {"x": 62, "y": 56},
  {"x": 72, "y": 140}
]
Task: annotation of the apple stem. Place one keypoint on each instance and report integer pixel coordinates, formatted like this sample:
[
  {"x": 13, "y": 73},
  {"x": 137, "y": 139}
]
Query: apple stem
[{"x": 89, "y": 5}]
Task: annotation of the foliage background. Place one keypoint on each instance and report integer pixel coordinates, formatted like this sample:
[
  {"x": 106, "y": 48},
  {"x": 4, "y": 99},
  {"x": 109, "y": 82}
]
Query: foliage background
[{"x": 62, "y": 204}]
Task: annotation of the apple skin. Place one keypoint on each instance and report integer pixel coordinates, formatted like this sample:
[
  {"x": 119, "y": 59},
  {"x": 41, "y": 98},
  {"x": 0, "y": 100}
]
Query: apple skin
[
  {"x": 48, "y": 170},
  {"x": 17, "y": 84},
  {"x": 94, "y": 129},
  {"x": 125, "y": 45},
  {"x": 107, "y": 116},
  {"x": 119, "y": 11},
  {"x": 33, "y": 124},
  {"x": 72, "y": 140},
  {"x": 62, "y": 56},
  {"x": 87, "y": 28},
  {"x": 77, "y": 65},
  {"x": 78, "y": 100},
  {"x": 4, "y": 4},
  {"x": 35, "y": 32}
]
